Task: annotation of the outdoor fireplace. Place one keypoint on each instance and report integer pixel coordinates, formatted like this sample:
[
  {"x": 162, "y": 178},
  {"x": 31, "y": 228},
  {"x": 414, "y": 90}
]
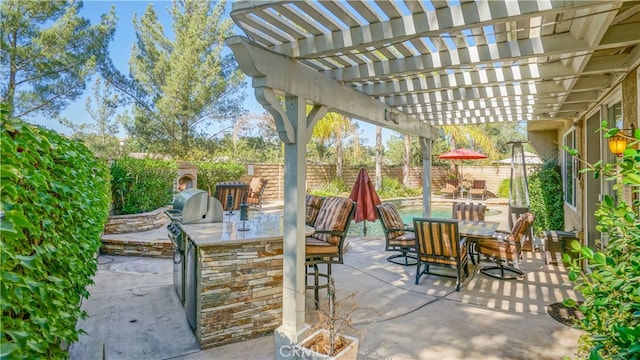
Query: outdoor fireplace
[{"x": 187, "y": 176}]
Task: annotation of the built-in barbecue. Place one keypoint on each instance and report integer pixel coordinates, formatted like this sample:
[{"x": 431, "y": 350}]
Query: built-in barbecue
[{"x": 191, "y": 206}]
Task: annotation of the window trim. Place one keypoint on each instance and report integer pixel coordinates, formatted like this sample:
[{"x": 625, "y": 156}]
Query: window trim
[{"x": 569, "y": 164}]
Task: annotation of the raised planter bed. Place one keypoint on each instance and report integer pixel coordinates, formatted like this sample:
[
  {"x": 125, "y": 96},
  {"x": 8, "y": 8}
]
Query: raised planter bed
[
  {"x": 120, "y": 224},
  {"x": 137, "y": 235}
]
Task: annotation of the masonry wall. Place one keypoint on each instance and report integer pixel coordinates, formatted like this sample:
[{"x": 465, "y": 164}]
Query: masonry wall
[
  {"x": 127, "y": 247},
  {"x": 119, "y": 224},
  {"x": 239, "y": 292},
  {"x": 320, "y": 174}
]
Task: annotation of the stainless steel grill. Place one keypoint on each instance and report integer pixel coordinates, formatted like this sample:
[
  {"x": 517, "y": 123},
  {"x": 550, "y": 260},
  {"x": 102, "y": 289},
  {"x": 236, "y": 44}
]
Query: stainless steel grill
[{"x": 190, "y": 206}]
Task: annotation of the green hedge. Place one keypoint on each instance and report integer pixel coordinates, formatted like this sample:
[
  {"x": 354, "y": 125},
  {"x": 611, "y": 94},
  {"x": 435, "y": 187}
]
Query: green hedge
[
  {"x": 209, "y": 174},
  {"x": 546, "y": 196},
  {"x": 141, "y": 185},
  {"x": 503, "y": 188},
  {"x": 55, "y": 200}
]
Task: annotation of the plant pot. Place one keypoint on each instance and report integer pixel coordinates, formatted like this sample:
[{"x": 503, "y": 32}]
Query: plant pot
[{"x": 349, "y": 352}]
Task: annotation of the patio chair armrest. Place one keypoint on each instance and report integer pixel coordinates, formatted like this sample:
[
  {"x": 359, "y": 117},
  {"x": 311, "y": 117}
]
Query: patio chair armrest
[
  {"x": 501, "y": 235},
  {"x": 331, "y": 232},
  {"x": 405, "y": 229},
  {"x": 463, "y": 241}
]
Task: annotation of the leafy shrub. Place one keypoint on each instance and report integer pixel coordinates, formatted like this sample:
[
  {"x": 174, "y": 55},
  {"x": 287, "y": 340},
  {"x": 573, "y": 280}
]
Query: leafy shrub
[
  {"x": 545, "y": 195},
  {"x": 335, "y": 187},
  {"x": 611, "y": 287},
  {"x": 393, "y": 188},
  {"x": 209, "y": 174},
  {"x": 55, "y": 201},
  {"x": 503, "y": 188},
  {"x": 141, "y": 185}
]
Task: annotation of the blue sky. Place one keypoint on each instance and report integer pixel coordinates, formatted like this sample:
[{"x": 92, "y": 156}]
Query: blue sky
[{"x": 120, "y": 50}]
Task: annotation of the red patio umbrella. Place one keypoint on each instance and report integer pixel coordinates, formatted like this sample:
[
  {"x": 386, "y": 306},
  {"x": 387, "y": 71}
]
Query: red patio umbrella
[
  {"x": 462, "y": 154},
  {"x": 366, "y": 198}
]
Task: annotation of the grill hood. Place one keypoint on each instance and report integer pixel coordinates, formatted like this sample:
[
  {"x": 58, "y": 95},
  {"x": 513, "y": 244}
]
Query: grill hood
[{"x": 195, "y": 206}]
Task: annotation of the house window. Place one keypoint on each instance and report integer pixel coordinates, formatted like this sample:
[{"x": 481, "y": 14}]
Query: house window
[{"x": 570, "y": 171}]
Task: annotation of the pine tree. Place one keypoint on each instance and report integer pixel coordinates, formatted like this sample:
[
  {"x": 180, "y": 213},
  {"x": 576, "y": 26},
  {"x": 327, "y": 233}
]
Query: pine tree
[
  {"x": 48, "y": 52},
  {"x": 188, "y": 80}
]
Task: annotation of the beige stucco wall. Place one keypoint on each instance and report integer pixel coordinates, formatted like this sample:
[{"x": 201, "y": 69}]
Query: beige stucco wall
[{"x": 545, "y": 142}]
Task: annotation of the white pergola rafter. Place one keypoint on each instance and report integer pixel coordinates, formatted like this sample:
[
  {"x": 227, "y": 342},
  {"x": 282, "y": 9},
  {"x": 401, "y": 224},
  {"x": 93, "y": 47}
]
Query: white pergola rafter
[
  {"x": 428, "y": 23},
  {"x": 438, "y": 47}
]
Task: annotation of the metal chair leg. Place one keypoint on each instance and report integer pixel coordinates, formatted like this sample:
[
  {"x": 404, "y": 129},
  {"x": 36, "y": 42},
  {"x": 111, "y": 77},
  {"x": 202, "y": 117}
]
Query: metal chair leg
[
  {"x": 316, "y": 280},
  {"x": 506, "y": 272},
  {"x": 404, "y": 255}
]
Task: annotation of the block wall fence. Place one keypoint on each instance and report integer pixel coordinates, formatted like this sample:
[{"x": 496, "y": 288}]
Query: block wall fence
[{"x": 320, "y": 174}]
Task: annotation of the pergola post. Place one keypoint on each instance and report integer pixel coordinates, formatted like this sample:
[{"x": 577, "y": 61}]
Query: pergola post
[{"x": 295, "y": 128}]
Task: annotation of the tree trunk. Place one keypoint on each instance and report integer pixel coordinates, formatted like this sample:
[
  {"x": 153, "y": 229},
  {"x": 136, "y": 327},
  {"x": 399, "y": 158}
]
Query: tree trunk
[
  {"x": 407, "y": 160},
  {"x": 184, "y": 134},
  {"x": 378, "y": 184},
  {"x": 339, "y": 156}
]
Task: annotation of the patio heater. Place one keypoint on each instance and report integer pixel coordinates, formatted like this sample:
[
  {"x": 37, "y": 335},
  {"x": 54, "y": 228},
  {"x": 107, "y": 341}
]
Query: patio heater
[{"x": 518, "y": 187}]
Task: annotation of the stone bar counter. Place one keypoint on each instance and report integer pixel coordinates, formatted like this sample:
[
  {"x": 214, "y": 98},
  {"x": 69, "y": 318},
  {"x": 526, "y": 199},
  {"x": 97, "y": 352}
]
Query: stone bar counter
[{"x": 233, "y": 278}]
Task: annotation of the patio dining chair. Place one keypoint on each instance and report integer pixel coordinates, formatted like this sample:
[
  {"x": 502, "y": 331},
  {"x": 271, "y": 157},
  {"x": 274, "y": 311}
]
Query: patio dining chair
[
  {"x": 478, "y": 188},
  {"x": 506, "y": 248},
  {"x": 438, "y": 243},
  {"x": 468, "y": 211},
  {"x": 450, "y": 189},
  {"x": 256, "y": 189},
  {"x": 326, "y": 245},
  {"x": 399, "y": 237},
  {"x": 313, "y": 204}
]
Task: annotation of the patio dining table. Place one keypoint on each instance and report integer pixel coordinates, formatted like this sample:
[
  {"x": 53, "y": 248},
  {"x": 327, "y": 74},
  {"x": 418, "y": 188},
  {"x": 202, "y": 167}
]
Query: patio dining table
[{"x": 474, "y": 231}]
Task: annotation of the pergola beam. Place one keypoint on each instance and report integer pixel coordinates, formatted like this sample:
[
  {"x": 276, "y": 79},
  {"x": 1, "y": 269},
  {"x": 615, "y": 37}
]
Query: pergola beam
[{"x": 274, "y": 71}]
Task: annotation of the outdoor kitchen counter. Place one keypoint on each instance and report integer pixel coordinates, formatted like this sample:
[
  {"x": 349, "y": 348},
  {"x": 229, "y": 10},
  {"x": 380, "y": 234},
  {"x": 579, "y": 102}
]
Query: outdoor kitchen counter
[
  {"x": 233, "y": 288},
  {"x": 260, "y": 227}
]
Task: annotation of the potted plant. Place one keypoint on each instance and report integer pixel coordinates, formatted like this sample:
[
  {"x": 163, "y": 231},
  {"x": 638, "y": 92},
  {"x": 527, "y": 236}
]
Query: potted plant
[{"x": 328, "y": 339}]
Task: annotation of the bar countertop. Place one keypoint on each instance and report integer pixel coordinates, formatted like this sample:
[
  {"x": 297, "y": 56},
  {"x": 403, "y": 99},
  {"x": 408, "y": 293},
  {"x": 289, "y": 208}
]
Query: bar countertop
[{"x": 260, "y": 227}]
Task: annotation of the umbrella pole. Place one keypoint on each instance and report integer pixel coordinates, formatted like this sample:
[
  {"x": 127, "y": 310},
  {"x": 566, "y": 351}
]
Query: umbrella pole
[{"x": 364, "y": 228}]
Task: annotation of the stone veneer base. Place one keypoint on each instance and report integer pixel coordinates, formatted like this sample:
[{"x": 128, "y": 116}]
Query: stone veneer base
[
  {"x": 239, "y": 292},
  {"x": 120, "y": 224},
  {"x": 128, "y": 247}
]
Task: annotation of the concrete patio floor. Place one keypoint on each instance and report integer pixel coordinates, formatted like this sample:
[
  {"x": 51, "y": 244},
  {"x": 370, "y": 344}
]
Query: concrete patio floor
[{"x": 134, "y": 312}]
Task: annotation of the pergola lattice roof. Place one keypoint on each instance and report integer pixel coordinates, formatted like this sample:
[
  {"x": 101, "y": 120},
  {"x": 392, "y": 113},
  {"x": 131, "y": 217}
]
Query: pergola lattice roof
[{"x": 458, "y": 62}]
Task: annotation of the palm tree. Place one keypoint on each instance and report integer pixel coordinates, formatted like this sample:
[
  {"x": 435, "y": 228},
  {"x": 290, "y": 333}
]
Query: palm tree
[
  {"x": 337, "y": 127},
  {"x": 407, "y": 160},
  {"x": 378, "y": 184},
  {"x": 469, "y": 136}
]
